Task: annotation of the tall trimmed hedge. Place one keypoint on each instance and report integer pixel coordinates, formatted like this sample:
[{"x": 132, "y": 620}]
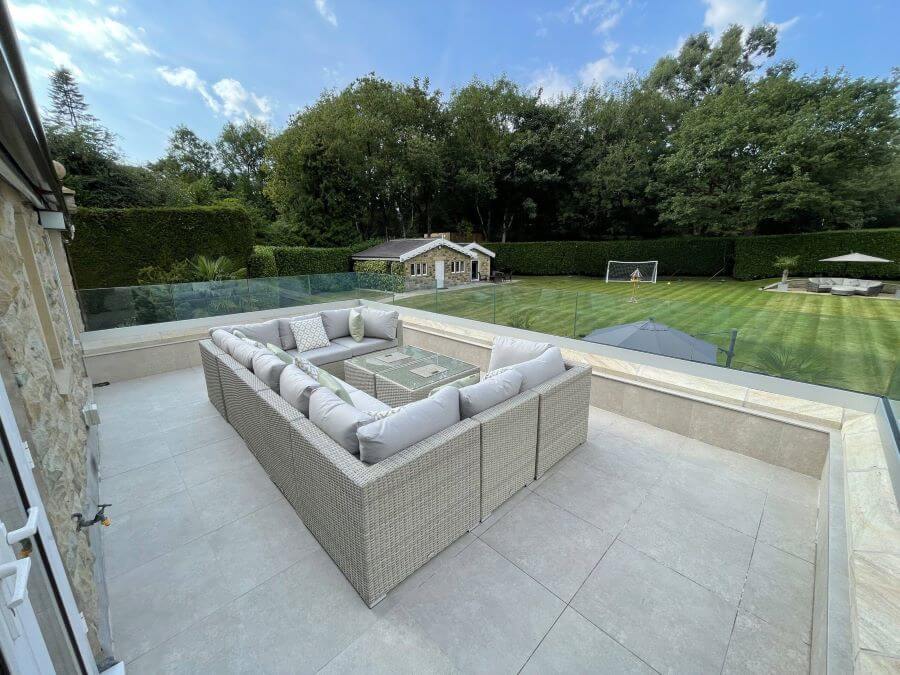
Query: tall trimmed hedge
[
  {"x": 111, "y": 245},
  {"x": 293, "y": 260},
  {"x": 695, "y": 256},
  {"x": 754, "y": 256},
  {"x": 261, "y": 262}
]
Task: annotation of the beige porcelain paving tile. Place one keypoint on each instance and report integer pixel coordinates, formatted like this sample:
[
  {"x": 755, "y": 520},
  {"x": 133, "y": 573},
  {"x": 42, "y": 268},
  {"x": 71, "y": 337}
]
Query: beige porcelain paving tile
[
  {"x": 757, "y": 647},
  {"x": 602, "y": 501},
  {"x": 193, "y": 435},
  {"x": 295, "y": 622},
  {"x": 575, "y": 645},
  {"x": 213, "y": 460},
  {"x": 138, "y": 487},
  {"x": 877, "y": 600},
  {"x": 803, "y": 450},
  {"x": 665, "y": 619},
  {"x": 795, "y": 486},
  {"x": 170, "y": 416},
  {"x": 872, "y": 511},
  {"x": 864, "y": 451},
  {"x": 789, "y": 526},
  {"x": 157, "y": 600},
  {"x": 725, "y": 463},
  {"x": 551, "y": 545},
  {"x": 140, "y": 535},
  {"x": 501, "y": 511},
  {"x": 483, "y": 612},
  {"x": 798, "y": 408},
  {"x": 728, "y": 502},
  {"x": 712, "y": 555},
  {"x": 623, "y": 460},
  {"x": 119, "y": 456},
  {"x": 235, "y": 494},
  {"x": 779, "y": 590},
  {"x": 260, "y": 545},
  {"x": 393, "y": 646}
]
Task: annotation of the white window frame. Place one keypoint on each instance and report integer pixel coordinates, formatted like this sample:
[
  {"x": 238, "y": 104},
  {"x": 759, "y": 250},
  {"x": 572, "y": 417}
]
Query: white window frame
[{"x": 418, "y": 269}]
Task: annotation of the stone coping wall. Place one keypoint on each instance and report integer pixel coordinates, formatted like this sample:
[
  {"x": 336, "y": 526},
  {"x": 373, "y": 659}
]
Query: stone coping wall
[{"x": 47, "y": 398}]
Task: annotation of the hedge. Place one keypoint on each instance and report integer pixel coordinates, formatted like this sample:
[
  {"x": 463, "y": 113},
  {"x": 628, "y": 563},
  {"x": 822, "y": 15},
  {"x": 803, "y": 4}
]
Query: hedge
[
  {"x": 381, "y": 275},
  {"x": 261, "y": 262},
  {"x": 695, "y": 256},
  {"x": 111, "y": 245},
  {"x": 294, "y": 260},
  {"x": 755, "y": 256}
]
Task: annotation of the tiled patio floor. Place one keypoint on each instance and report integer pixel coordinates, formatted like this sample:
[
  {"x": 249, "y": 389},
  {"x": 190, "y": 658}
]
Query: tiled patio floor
[{"x": 642, "y": 551}]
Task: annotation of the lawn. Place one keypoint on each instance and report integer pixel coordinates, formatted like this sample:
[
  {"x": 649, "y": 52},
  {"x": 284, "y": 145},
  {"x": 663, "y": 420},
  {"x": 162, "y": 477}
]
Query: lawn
[{"x": 847, "y": 342}]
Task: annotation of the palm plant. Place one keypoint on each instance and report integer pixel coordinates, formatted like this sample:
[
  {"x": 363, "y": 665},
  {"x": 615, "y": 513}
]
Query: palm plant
[
  {"x": 216, "y": 269},
  {"x": 786, "y": 263},
  {"x": 805, "y": 364}
]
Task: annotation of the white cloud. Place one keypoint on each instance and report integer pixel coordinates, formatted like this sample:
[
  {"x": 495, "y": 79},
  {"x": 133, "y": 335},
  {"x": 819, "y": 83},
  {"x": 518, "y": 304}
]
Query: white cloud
[
  {"x": 228, "y": 96},
  {"x": 86, "y": 31},
  {"x": 605, "y": 14},
  {"x": 116, "y": 10},
  {"x": 610, "y": 46},
  {"x": 56, "y": 57},
  {"x": 597, "y": 73},
  {"x": 551, "y": 83},
  {"x": 722, "y": 13},
  {"x": 326, "y": 12},
  {"x": 608, "y": 23}
]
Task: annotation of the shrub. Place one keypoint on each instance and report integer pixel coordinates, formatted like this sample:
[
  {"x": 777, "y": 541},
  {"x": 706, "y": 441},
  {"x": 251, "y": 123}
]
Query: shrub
[
  {"x": 296, "y": 260},
  {"x": 695, "y": 256},
  {"x": 261, "y": 262},
  {"x": 381, "y": 275},
  {"x": 111, "y": 246},
  {"x": 754, "y": 255}
]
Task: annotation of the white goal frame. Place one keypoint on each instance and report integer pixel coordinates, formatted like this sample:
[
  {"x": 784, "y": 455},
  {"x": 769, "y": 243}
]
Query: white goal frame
[{"x": 641, "y": 265}]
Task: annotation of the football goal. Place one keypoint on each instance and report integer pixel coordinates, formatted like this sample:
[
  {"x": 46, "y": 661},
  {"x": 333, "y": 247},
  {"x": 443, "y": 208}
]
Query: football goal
[{"x": 622, "y": 270}]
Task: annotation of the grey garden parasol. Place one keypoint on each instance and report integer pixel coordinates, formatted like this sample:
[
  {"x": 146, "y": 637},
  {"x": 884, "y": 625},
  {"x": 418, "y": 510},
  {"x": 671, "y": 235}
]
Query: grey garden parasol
[
  {"x": 856, "y": 257},
  {"x": 656, "y": 338}
]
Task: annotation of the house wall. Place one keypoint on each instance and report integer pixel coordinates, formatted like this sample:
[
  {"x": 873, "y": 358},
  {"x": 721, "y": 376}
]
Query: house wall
[
  {"x": 43, "y": 371},
  {"x": 484, "y": 263},
  {"x": 448, "y": 255}
]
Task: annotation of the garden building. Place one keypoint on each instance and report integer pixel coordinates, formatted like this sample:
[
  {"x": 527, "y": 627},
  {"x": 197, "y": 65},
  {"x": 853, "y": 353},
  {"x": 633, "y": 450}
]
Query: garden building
[{"x": 439, "y": 260}]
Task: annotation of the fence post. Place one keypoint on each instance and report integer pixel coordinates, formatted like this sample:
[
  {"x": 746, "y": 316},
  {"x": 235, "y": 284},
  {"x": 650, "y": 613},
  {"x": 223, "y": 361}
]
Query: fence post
[
  {"x": 575, "y": 322},
  {"x": 731, "y": 348},
  {"x": 495, "y": 304}
]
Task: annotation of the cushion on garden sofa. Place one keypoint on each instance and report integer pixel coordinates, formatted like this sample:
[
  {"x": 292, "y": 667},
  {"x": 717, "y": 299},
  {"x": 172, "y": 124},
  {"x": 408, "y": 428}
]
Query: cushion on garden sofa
[
  {"x": 337, "y": 419},
  {"x": 545, "y": 367},
  {"x": 508, "y": 351},
  {"x": 296, "y": 387},
  {"x": 414, "y": 422},
  {"x": 268, "y": 368},
  {"x": 479, "y": 397},
  {"x": 322, "y": 355},
  {"x": 337, "y": 322},
  {"x": 264, "y": 331},
  {"x": 366, "y": 346},
  {"x": 242, "y": 351},
  {"x": 288, "y": 341},
  {"x": 379, "y": 323}
]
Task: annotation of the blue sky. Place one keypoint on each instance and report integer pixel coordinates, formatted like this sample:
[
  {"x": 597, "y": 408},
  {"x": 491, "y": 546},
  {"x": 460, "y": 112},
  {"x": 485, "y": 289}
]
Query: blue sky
[{"x": 146, "y": 66}]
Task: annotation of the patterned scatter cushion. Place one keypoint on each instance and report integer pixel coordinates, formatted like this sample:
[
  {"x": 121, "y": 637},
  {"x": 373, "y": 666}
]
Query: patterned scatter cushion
[
  {"x": 357, "y": 325},
  {"x": 329, "y": 381},
  {"x": 280, "y": 353},
  {"x": 494, "y": 373},
  {"x": 307, "y": 367},
  {"x": 309, "y": 333}
]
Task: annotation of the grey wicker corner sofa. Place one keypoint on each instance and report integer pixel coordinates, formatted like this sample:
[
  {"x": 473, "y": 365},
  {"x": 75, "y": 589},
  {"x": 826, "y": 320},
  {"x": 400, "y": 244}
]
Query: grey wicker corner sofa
[
  {"x": 843, "y": 286},
  {"x": 381, "y": 521}
]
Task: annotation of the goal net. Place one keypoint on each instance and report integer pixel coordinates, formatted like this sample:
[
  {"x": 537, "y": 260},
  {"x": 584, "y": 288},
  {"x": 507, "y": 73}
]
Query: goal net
[{"x": 622, "y": 270}]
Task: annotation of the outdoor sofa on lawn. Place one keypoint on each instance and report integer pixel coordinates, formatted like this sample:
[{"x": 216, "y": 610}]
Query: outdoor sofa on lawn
[
  {"x": 843, "y": 286},
  {"x": 381, "y": 520}
]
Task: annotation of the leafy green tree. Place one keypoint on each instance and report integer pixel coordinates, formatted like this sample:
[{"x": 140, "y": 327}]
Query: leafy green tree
[{"x": 188, "y": 157}]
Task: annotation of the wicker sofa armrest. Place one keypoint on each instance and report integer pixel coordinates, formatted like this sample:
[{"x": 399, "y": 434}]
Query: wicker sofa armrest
[
  {"x": 508, "y": 448},
  {"x": 209, "y": 358},
  {"x": 381, "y": 522},
  {"x": 563, "y": 415}
]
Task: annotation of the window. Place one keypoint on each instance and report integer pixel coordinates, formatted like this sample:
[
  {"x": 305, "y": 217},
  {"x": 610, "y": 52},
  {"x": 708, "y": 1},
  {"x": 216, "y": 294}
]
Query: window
[
  {"x": 457, "y": 266},
  {"x": 418, "y": 269}
]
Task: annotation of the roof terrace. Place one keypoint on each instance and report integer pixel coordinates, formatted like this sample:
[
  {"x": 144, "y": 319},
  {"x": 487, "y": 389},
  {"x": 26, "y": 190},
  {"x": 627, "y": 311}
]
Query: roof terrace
[{"x": 700, "y": 528}]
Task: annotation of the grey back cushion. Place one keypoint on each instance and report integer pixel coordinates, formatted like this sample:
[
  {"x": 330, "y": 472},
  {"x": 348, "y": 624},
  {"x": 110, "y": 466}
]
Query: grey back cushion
[
  {"x": 545, "y": 367},
  {"x": 336, "y": 418},
  {"x": 266, "y": 331},
  {"x": 379, "y": 323},
  {"x": 479, "y": 397},
  {"x": 296, "y": 387},
  {"x": 220, "y": 338},
  {"x": 286, "y": 334},
  {"x": 413, "y": 423},
  {"x": 268, "y": 368},
  {"x": 336, "y": 322},
  {"x": 242, "y": 351},
  {"x": 508, "y": 351}
]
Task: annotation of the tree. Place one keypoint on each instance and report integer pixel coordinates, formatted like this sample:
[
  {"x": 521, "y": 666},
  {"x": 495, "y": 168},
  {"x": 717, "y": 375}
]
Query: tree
[
  {"x": 786, "y": 263},
  {"x": 188, "y": 157}
]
